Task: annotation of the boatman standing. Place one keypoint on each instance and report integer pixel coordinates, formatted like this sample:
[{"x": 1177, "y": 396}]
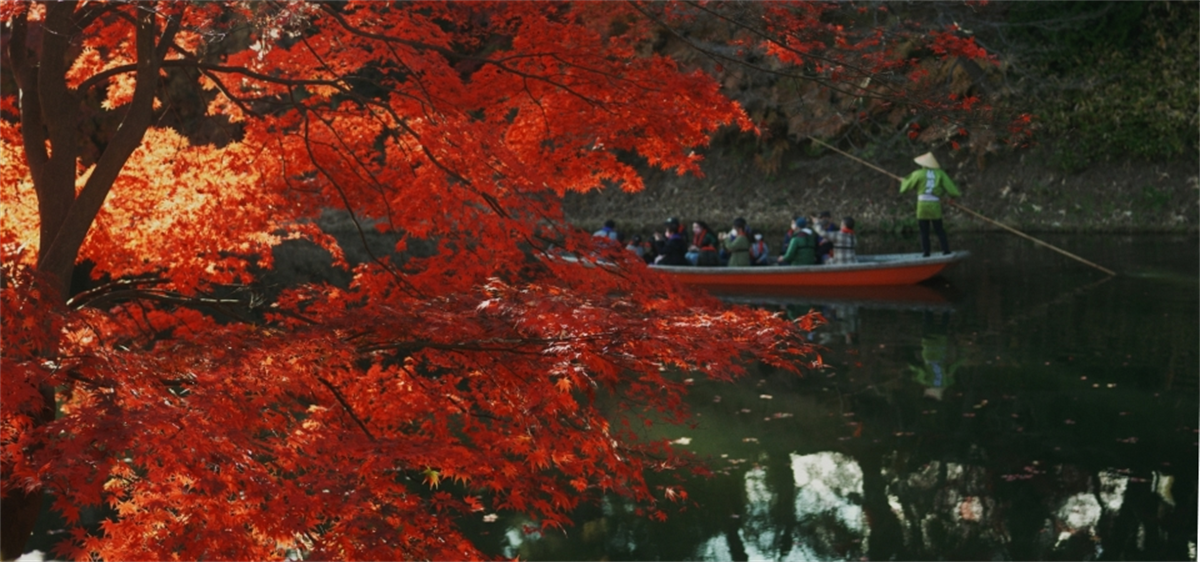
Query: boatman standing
[{"x": 932, "y": 184}]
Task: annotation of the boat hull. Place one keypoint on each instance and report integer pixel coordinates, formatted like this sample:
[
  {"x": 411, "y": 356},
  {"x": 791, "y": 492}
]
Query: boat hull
[{"x": 870, "y": 270}]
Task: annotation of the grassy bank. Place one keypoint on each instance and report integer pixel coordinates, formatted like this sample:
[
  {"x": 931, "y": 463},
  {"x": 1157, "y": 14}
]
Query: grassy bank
[{"x": 1023, "y": 190}]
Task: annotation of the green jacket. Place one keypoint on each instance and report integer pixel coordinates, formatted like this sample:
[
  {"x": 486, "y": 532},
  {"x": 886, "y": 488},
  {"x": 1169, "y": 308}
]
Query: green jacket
[
  {"x": 932, "y": 185},
  {"x": 935, "y": 354},
  {"x": 739, "y": 251},
  {"x": 802, "y": 249}
]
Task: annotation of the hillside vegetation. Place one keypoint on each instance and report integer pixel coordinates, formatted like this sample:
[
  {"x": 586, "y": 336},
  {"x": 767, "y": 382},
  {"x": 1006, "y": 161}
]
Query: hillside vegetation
[{"x": 1110, "y": 91}]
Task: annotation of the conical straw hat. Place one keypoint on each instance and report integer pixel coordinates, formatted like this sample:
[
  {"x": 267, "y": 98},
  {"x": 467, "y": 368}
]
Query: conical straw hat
[{"x": 927, "y": 160}]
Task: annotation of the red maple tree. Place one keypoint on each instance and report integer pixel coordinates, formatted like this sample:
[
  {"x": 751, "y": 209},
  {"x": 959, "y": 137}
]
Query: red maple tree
[{"x": 493, "y": 372}]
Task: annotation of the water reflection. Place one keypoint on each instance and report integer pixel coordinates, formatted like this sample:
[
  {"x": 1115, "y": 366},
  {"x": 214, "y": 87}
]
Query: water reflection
[
  {"x": 828, "y": 515},
  {"x": 1032, "y": 417},
  {"x": 938, "y": 362}
]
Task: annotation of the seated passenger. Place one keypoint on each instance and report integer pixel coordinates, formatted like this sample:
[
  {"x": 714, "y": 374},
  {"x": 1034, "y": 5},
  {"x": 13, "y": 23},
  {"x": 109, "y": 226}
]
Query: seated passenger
[
  {"x": 759, "y": 252},
  {"x": 609, "y": 231},
  {"x": 737, "y": 244},
  {"x": 802, "y": 249},
  {"x": 673, "y": 249},
  {"x": 823, "y": 226},
  {"x": 635, "y": 246},
  {"x": 787, "y": 236},
  {"x": 703, "y": 250},
  {"x": 844, "y": 242}
]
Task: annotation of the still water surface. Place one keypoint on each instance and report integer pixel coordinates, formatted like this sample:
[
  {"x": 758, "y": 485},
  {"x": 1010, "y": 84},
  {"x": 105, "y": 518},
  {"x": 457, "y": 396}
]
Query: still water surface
[{"x": 1021, "y": 406}]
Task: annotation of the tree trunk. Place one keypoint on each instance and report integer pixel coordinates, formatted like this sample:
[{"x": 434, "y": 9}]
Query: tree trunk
[{"x": 49, "y": 117}]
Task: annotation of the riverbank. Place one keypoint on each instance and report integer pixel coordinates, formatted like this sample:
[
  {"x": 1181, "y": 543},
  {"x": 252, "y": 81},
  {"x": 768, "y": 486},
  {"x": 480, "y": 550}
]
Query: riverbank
[{"x": 1021, "y": 190}]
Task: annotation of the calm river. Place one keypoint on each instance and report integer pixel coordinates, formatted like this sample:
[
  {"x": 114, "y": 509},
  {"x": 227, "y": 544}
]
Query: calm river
[{"x": 1021, "y": 406}]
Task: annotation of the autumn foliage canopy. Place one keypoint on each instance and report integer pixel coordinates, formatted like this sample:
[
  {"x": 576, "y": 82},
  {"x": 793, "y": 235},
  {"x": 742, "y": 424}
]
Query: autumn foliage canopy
[{"x": 498, "y": 360}]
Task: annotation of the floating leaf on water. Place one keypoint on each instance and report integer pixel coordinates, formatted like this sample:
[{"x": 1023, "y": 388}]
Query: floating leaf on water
[
  {"x": 765, "y": 396},
  {"x": 490, "y": 518},
  {"x": 682, "y": 441},
  {"x": 745, "y": 410},
  {"x": 750, "y": 440},
  {"x": 717, "y": 398}
]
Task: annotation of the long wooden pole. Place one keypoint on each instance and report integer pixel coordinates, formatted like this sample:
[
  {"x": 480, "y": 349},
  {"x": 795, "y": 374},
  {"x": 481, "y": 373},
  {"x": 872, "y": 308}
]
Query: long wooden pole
[{"x": 969, "y": 211}]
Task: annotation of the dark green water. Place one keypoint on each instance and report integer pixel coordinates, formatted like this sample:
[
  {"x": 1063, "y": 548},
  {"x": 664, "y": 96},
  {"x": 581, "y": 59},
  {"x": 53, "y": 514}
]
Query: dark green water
[{"x": 1021, "y": 406}]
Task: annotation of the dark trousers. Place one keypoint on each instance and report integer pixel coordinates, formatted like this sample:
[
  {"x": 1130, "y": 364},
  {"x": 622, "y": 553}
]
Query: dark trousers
[{"x": 941, "y": 234}]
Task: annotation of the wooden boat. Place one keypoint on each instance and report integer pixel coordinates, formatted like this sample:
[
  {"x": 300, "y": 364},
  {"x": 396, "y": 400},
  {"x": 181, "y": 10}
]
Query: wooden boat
[
  {"x": 928, "y": 295},
  {"x": 869, "y": 270}
]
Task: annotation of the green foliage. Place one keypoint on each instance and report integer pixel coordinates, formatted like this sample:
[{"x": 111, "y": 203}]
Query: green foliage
[
  {"x": 1154, "y": 198},
  {"x": 1068, "y": 32},
  {"x": 903, "y": 225},
  {"x": 1114, "y": 90}
]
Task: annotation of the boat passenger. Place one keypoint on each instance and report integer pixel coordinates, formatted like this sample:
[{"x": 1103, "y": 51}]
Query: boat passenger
[
  {"x": 802, "y": 249},
  {"x": 824, "y": 227},
  {"x": 635, "y": 246},
  {"x": 843, "y": 242},
  {"x": 737, "y": 244},
  {"x": 759, "y": 252},
  {"x": 673, "y": 249},
  {"x": 932, "y": 184},
  {"x": 703, "y": 250},
  {"x": 825, "y": 222},
  {"x": 652, "y": 247},
  {"x": 787, "y": 236},
  {"x": 609, "y": 231}
]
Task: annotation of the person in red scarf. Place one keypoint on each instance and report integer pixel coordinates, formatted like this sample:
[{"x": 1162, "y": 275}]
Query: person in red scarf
[
  {"x": 703, "y": 250},
  {"x": 844, "y": 243}
]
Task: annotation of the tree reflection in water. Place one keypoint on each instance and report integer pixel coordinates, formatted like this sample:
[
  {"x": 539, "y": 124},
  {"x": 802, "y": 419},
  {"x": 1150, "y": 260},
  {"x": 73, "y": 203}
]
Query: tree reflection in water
[
  {"x": 1063, "y": 427},
  {"x": 827, "y": 512}
]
